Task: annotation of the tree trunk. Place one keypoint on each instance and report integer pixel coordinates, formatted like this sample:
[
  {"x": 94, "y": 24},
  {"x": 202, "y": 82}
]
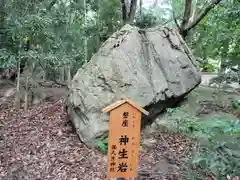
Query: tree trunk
[
  {"x": 69, "y": 76},
  {"x": 62, "y": 74},
  {"x": 17, "y": 97},
  {"x": 85, "y": 38},
  {"x": 194, "y": 11},
  {"x": 98, "y": 43},
  {"x": 26, "y": 73},
  {"x": 189, "y": 23},
  {"x": 128, "y": 11},
  {"x": 133, "y": 8},
  {"x": 125, "y": 7},
  {"x": 3, "y": 15}
]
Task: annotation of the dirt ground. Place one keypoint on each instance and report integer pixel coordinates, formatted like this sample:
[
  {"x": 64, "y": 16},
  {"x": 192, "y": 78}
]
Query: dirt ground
[{"x": 42, "y": 145}]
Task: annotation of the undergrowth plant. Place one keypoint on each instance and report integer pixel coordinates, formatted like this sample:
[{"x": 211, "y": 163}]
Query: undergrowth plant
[
  {"x": 236, "y": 104},
  {"x": 102, "y": 145},
  {"x": 219, "y": 151}
]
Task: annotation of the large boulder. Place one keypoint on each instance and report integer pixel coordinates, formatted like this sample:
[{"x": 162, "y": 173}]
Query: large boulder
[{"x": 153, "y": 67}]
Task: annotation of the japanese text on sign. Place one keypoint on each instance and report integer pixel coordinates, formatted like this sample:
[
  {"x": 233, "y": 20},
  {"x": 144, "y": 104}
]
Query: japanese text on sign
[
  {"x": 125, "y": 120},
  {"x": 124, "y": 139}
]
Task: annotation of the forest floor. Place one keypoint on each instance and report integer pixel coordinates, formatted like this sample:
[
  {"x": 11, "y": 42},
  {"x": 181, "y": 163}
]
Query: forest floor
[{"x": 41, "y": 145}]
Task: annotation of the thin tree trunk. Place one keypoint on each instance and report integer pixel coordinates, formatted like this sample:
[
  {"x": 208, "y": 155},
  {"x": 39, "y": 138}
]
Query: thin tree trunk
[
  {"x": 188, "y": 23},
  {"x": 194, "y": 11},
  {"x": 69, "y": 76},
  {"x": 202, "y": 14},
  {"x": 186, "y": 17},
  {"x": 98, "y": 43},
  {"x": 26, "y": 73},
  {"x": 44, "y": 75},
  {"x": 125, "y": 10},
  {"x": 62, "y": 74},
  {"x": 85, "y": 38},
  {"x": 17, "y": 97},
  {"x": 141, "y": 15},
  {"x": 3, "y": 15},
  {"x": 85, "y": 50}
]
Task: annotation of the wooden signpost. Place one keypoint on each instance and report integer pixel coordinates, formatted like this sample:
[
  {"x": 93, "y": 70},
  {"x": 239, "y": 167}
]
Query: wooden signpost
[{"x": 124, "y": 138}]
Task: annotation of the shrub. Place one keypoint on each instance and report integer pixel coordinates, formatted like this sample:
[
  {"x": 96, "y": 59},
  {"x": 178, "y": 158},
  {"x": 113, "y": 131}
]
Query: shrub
[{"x": 219, "y": 152}]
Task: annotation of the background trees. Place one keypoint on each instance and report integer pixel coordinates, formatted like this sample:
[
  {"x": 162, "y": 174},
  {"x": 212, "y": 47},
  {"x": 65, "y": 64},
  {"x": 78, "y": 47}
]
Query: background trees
[
  {"x": 51, "y": 39},
  {"x": 56, "y": 37}
]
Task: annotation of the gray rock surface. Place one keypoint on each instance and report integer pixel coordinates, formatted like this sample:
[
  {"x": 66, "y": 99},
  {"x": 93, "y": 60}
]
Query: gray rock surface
[
  {"x": 153, "y": 67},
  {"x": 214, "y": 80}
]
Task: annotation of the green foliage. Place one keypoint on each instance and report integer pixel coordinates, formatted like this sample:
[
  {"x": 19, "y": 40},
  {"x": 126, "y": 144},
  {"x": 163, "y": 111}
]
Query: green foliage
[
  {"x": 217, "y": 35},
  {"x": 170, "y": 111},
  {"x": 145, "y": 18},
  {"x": 57, "y": 31},
  {"x": 107, "y": 18},
  {"x": 151, "y": 17},
  {"x": 54, "y": 33},
  {"x": 236, "y": 104},
  {"x": 102, "y": 145},
  {"x": 207, "y": 67},
  {"x": 7, "y": 59},
  {"x": 219, "y": 142}
]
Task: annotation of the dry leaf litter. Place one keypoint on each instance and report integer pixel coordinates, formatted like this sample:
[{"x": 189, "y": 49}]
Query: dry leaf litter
[{"x": 41, "y": 145}]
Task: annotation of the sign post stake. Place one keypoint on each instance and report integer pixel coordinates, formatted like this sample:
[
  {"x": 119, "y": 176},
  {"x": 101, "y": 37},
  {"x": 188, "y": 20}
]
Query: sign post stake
[{"x": 124, "y": 138}]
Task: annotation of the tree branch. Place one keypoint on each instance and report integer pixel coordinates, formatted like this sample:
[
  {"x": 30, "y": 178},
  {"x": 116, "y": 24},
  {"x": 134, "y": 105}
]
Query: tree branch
[
  {"x": 187, "y": 13},
  {"x": 3, "y": 16},
  {"x": 141, "y": 2},
  {"x": 202, "y": 14},
  {"x": 175, "y": 21}
]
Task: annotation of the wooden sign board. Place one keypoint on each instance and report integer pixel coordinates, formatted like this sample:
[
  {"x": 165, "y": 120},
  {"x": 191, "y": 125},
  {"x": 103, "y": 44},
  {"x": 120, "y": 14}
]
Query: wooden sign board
[{"x": 124, "y": 138}]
